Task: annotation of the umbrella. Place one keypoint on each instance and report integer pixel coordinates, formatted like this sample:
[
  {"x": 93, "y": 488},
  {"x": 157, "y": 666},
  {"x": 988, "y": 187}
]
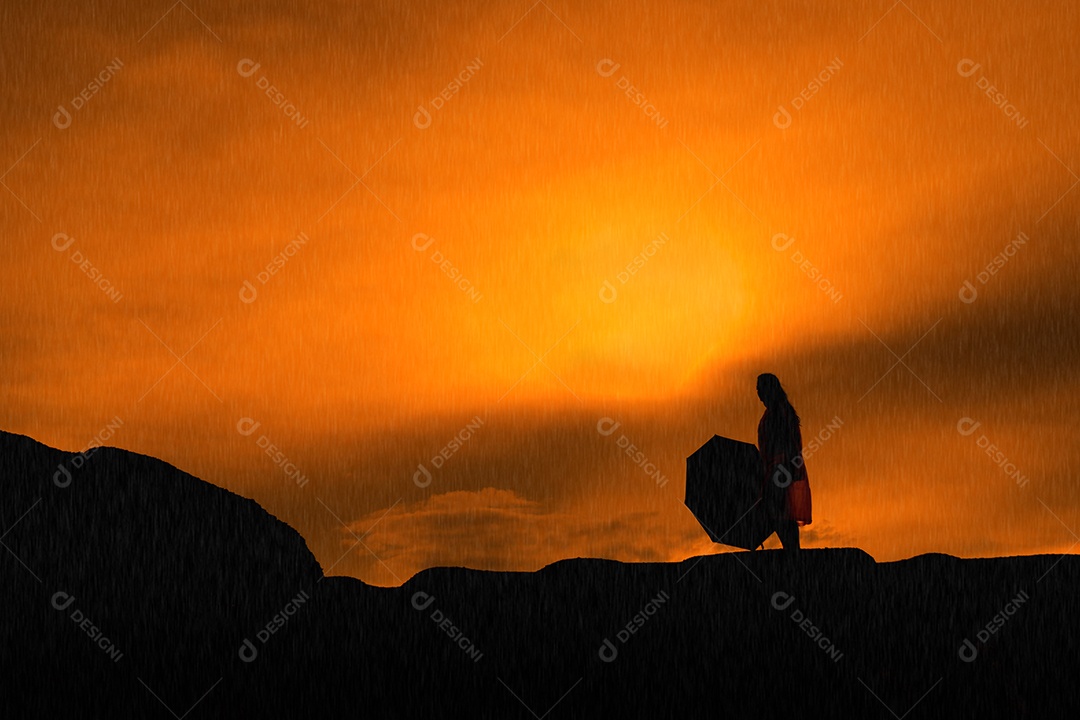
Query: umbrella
[{"x": 723, "y": 487}]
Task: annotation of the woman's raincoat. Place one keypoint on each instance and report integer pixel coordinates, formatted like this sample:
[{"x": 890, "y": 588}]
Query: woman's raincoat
[{"x": 785, "y": 485}]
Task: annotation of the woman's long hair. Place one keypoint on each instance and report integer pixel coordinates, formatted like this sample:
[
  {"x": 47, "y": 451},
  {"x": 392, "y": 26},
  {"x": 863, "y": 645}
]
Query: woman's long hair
[{"x": 777, "y": 399}]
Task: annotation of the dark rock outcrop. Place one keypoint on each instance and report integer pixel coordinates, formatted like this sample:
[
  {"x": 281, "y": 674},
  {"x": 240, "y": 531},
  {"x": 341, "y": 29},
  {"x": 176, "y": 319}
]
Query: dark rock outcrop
[{"x": 185, "y": 597}]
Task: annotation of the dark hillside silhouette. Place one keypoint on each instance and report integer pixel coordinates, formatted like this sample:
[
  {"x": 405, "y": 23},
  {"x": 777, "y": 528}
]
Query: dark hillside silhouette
[{"x": 178, "y": 574}]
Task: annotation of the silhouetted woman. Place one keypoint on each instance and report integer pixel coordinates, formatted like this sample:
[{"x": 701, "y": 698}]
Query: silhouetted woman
[{"x": 785, "y": 485}]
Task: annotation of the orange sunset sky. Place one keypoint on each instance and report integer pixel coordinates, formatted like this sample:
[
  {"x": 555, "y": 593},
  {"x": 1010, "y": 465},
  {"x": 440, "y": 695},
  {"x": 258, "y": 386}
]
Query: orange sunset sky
[{"x": 533, "y": 217}]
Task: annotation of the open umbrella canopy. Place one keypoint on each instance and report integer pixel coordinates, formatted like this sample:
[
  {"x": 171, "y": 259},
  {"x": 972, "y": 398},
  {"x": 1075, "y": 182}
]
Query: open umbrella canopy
[{"x": 723, "y": 487}]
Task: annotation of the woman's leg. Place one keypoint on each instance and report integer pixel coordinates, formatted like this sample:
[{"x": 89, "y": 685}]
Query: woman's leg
[{"x": 788, "y": 532}]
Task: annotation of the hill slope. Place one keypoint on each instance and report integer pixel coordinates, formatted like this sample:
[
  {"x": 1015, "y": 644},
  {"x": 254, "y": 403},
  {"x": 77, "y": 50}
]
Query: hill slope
[{"x": 138, "y": 590}]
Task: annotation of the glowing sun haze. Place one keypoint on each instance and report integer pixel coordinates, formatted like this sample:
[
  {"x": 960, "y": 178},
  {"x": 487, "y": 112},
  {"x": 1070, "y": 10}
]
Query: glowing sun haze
[{"x": 375, "y": 234}]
